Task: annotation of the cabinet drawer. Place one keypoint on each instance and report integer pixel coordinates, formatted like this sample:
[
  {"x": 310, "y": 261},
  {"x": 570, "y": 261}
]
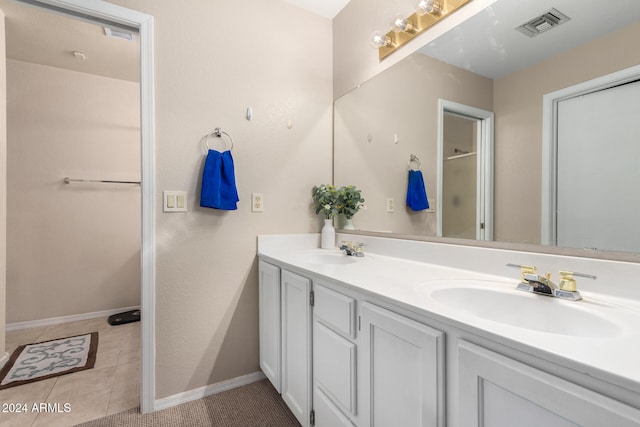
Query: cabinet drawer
[{"x": 335, "y": 310}]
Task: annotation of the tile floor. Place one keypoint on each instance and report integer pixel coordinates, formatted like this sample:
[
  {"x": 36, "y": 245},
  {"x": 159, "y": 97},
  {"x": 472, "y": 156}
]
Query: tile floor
[{"x": 112, "y": 386}]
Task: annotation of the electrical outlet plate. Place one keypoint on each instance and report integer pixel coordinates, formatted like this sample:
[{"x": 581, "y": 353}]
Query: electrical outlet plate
[
  {"x": 391, "y": 204},
  {"x": 257, "y": 202}
]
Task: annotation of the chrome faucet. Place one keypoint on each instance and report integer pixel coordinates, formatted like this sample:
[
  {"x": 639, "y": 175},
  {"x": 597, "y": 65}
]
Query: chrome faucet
[
  {"x": 352, "y": 249},
  {"x": 534, "y": 282}
]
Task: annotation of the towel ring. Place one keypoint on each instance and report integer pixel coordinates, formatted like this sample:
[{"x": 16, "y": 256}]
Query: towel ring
[
  {"x": 217, "y": 132},
  {"x": 414, "y": 159}
]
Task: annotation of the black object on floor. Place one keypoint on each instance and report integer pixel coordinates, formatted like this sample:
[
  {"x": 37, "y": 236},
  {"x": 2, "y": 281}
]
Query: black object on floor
[{"x": 126, "y": 317}]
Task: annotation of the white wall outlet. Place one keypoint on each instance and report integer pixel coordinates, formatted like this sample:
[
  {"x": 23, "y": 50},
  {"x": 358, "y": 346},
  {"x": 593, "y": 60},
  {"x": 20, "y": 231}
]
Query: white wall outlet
[
  {"x": 257, "y": 202},
  {"x": 174, "y": 201},
  {"x": 391, "y": 204}
]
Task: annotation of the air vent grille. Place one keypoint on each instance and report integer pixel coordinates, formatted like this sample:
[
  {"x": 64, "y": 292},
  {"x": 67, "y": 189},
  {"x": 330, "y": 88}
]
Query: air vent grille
[{"x": 542, "y": 23}]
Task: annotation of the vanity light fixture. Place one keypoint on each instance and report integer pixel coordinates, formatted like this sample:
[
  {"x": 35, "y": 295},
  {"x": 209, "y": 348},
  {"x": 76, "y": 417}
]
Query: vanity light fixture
[{"x": 428, "y": 13}]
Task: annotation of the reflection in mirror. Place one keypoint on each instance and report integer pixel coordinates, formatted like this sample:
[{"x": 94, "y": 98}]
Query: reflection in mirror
[
  {"x": 487, "y": 64},
  {"x": 459, "y": 176}
]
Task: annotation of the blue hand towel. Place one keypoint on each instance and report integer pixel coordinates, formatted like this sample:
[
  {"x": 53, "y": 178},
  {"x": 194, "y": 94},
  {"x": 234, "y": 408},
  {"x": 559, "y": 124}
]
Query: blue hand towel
[
  {"x": 219, "y": 182},
  {"x": 416, "y": 192}
]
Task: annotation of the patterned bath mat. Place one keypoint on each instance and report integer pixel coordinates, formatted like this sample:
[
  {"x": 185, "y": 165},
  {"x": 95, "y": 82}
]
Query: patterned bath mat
[{"x": 39, "y": 361}]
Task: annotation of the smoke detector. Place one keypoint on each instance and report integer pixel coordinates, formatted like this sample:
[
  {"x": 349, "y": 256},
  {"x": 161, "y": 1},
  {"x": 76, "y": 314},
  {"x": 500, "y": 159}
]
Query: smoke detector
[{"x": 542, "y": 23}]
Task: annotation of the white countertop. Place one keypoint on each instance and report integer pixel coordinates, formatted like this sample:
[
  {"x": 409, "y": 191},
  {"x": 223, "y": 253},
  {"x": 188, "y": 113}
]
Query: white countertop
[{"x": 613, "y": 357}]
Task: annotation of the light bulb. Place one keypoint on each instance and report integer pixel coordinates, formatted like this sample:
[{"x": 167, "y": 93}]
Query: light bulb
[
  {"x": 428, "y": 6},
  {"x": 378, "y": 40},
  {"x": 401, "y": 24}
]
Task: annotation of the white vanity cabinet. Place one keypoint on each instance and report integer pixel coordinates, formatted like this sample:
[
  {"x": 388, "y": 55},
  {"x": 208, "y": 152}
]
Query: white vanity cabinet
[
  {"x": 402, "y": 365},
  {"x": 285, "y": 336},
  {"x": 497, "y": 391},
  {"x": 352, "y": 358}
]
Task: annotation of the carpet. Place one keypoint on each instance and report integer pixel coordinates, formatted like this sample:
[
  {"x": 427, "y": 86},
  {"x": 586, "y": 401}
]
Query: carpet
[
  {"x": 253, "y": 405},
  {"x": 39, "y": 361}
]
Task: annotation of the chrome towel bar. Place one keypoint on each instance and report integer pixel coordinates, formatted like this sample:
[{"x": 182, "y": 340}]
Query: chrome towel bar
[{"x": 68, "y": 180}]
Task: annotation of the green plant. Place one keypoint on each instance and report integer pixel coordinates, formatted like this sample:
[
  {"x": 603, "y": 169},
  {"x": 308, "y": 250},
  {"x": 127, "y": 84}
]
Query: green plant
[
  {"x": 325, "y": 200},
  {"x": 350, "y": 201}
]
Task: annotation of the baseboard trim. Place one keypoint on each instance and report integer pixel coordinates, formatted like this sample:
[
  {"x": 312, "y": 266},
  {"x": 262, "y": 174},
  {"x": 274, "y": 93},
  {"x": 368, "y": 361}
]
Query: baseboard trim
[
  {"x": 4, "y": 360},
  {"x": 199, "y": 393},
  {"x": 65, "y": 319}
]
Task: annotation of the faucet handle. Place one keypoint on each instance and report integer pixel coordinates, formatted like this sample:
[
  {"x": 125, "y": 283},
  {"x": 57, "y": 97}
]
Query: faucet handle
[
  {"x": 524, "y": 270},
  {"x": 568, "y": 283}
]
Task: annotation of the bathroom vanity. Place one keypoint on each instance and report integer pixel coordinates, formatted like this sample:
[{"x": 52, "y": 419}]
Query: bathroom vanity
[{"x": 415, "y": 339}]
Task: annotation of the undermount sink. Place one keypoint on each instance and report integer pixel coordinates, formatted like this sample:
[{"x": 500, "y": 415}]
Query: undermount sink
[
  {"x": 325, "y": 257},
  {"x": 524, "y": 310}
]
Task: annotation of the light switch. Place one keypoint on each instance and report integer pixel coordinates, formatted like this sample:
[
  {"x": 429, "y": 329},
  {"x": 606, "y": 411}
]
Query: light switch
[{"x": 174, "y": 201}]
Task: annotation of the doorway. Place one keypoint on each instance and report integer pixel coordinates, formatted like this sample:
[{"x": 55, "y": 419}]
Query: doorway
[
  {"x": 465, "y": 172},
  {"x": 120, "y": 17}
]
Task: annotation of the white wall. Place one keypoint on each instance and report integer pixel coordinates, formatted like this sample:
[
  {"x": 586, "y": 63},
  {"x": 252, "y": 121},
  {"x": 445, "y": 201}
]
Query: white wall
[{"x": 71, "y": 248}]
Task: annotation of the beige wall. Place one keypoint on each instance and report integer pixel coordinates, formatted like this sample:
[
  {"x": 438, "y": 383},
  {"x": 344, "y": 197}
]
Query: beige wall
[
  {"x": 3, "y": 185},
  {"x": 518, "y": 130},
  {"x": 404, "y": 101},
  {"x": 71, "y": 248},
  {"x": 213, "y": 59}
]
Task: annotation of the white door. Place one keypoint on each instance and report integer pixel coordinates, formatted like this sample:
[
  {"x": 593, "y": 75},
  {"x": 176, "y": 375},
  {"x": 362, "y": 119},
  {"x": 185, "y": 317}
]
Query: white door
[
  {"x": 401, "y": 367},
  {"x": 269, "y": 309},
  {"x": 296, "y": 345},
  {"x": 598, "y": 171}
]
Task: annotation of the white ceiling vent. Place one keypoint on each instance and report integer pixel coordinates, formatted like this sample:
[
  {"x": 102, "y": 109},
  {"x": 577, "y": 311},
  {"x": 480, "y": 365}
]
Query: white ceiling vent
[{"x": 545, "y": 22}]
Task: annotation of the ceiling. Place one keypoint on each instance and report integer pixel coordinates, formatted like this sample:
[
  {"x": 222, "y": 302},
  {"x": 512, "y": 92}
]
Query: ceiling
[
  {"x": 42, "y": 37},
  {"x": 502, "y": 50}
]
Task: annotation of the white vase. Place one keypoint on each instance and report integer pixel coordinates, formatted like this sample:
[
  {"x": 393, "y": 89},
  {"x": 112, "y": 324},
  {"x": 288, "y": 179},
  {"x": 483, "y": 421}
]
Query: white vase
[
  {"x": 348, "y": 224},
  {"x": 328, "y": 240}
]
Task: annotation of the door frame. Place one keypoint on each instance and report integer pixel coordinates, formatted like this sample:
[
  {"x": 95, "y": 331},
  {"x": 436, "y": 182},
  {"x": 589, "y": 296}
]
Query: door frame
[
  {"x": 484, "y": 191},
  {"x": 549, "y": 197},
  {"x": 107, "y": 13}
]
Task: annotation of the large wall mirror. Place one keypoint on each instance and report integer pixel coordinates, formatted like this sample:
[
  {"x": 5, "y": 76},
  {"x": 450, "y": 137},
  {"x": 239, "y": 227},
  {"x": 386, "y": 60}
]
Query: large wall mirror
[{"x": 560, "y": 165}]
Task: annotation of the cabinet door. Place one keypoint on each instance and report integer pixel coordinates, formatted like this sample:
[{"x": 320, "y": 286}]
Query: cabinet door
[
  {"x": 296, "y": 345},
  {"x": 269, "y": 308},
  {"x": 401, "y": 370},
  {"x": 495, "y": 391},
  {"x": 326, "y": 413},
  {"x": 334, "y": 367}
]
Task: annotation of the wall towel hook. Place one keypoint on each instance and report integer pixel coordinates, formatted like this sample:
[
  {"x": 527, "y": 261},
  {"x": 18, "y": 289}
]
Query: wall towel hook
[
  {"x": 217, "y": 132},
  {"x": 414, "y": 159}
]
